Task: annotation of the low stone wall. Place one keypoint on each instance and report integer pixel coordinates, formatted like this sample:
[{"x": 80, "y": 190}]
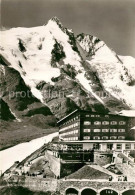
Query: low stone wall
[
  {"x": 53, "y": 185},
  {"x": 44, "y": 185},
  {"x": 34, "y": 183},
  {"x": 95, "y": 185},
  {"x": 53, "y": 162}
]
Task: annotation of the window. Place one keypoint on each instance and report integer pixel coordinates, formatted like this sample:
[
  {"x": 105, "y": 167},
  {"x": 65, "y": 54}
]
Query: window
[
  {"x": 128, "y": 146},
  {"x": 113, "y": 122},
  {"x": 74, "y": 125},
  {"x": 86, "y": 137},
  {"x": 87, "y": 115},
  {"x": 105, "y": 137},
  {"x": 107, "y": 116},
  {"x": 113, "y": 130},
  {"x": 75, "y": 146},
  {"x": 92, "y": 115},
  {"x": 121, "y": 137},
  {"x": 97, "y": 123},
  {"x": 86, "y": 130},
  {"x": 96, "y": 130},
  {"x": 105, "y": 130},
  {"x": 96, "y": 146},
  {"x": 75, "y": 131},
  {"x": 77, "y": 117},
  {"x": 119, "y": 146},
  {"x": 87, "y": 123},
  {"x": 110, "y": 146},
  {"x": 113, "y": 137},
  {"x": 122, "y": 123},
  {"x": 121, "y": 130},
  {"x": 105, "y": 123},
  {"x": 97, "y": 115},
  {"x": 96, "y": 137},
  {"x": 77, "y": 124}
]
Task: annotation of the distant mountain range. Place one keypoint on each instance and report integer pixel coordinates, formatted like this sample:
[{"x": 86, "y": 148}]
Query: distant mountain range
[{"x": 47, "y": 72}]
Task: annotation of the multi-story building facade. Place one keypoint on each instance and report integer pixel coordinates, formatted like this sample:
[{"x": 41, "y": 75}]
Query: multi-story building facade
[
  {"x": 86, "y": 125},
  {"x": 90, "y": 138},
  {"x": 98, "y": 130}
]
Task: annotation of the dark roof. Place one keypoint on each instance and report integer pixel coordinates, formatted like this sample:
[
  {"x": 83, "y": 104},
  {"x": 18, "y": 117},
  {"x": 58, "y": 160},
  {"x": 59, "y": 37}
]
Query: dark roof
[
  {"x": 88, "y": 111},
  {"x": 88, "y": 172}
]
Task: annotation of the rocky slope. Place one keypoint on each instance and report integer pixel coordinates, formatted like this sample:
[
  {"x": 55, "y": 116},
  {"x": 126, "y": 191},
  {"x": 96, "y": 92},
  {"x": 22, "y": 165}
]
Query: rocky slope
[{"x": 47, "y": 71}]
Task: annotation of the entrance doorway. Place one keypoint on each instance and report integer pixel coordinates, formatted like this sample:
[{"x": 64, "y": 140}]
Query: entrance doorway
[
  {"x": 108, "y": 192},
  {"x": 88, "y": 192},
  {"x": 71, "y": 191},
  {"x": 129, "y": 192}
]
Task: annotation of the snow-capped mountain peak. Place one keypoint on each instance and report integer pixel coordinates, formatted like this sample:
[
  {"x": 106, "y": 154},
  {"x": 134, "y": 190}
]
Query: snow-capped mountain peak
[
  {"x": 55, "y": 19},
  {"x": 51, "y": 56}
]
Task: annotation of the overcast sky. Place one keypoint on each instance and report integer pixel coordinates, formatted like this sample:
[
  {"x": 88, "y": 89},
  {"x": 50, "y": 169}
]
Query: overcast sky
[{"x": 111, "y": 20}]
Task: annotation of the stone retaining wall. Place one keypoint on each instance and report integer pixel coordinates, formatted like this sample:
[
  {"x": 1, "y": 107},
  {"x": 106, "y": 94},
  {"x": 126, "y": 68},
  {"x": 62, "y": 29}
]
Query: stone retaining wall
[
  {"x": 44, "y": 185},
  {"x": 53, "y": 185},
  {"x": 54, "y": 163},
  {"x": 119, "y": 187}
]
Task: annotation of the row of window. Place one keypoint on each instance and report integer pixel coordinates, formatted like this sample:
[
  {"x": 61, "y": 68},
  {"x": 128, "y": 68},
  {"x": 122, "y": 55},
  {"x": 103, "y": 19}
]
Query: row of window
[
  {"x": 127, "y": 146},
  {"x": 71, "y": 120},
  {"x": 88, "y": 115},
  {"x": 96, "y": 122},
  {"x": 75, "y": 146},
  {"x": 105, "y": 122},
  {"x": 96, "y": 115},
  {"x": 104, "y": 137},
  {"x": 103, "y": 130},
  {"x": 70, "y": 138},
  {"x": 70, "y": 126},
  {"x": 118, "y": 146},
  {"x": 70, "y": 132}
]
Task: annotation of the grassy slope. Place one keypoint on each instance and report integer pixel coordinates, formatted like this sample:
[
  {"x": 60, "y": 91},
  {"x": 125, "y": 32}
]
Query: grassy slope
[
  {"x": 23, "y": 191},
  {"x": 12, "y": 133}
]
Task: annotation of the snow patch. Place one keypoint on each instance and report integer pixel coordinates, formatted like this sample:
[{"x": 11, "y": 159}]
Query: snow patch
[
  {"x": 19, "y": 120},
  {"x": 130, "y": 113},
  {"x": 85, "y": 83}
]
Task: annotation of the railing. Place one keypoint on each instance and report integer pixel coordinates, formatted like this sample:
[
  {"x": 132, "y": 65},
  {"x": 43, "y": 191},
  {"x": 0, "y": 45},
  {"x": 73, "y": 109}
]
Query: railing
[
  {"x": 127, "y": 154},
  {"x": 75, "y": 151},
  {"x": 104, "y": 151}
]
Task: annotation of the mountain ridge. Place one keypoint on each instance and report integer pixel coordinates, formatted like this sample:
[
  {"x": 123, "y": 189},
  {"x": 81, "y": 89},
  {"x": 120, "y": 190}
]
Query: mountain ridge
[{"x": 46, "y": 57}]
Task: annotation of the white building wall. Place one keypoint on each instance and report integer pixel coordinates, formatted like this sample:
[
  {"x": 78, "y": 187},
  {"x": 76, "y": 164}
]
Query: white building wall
[
  {"x": 133, "y": 146},
  {"x": 87, "y": 146},
  {"x": 103, "y": 146}
]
